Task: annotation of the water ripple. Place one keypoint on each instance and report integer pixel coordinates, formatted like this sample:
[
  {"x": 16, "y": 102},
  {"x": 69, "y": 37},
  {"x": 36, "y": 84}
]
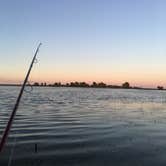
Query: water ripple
[{"x": 85, "y": 126}]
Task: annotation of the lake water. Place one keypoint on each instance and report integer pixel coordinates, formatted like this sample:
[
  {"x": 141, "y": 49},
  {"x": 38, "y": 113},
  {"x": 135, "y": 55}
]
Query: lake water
[{"x": 85, "y": 127}]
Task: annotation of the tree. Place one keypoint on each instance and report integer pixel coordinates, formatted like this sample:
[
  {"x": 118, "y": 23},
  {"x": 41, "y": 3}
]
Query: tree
[
  {"x": 83, "y": 84},
  {"x": 160, "y": 87},
  {"x": 36, "y": 84},
  {"x": 67, "y": 84},
  {"x": 102, "y": 85},
  {"x": 57, "y": 84},
  {"x": 94, "y": 84},
  {"x": 126, "y": 85}
]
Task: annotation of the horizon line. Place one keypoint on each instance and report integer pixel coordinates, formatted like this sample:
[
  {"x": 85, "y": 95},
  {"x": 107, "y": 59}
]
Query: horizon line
[{"x": 85, "y": 84}]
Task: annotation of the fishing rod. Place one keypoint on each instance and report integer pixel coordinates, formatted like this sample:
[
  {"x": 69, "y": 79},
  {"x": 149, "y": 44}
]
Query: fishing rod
[{"x": 9, "y": 124}]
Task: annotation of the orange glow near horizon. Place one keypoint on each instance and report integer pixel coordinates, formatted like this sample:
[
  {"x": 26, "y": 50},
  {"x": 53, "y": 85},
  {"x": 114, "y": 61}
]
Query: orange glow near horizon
[
  {"x": 136, "y": 75},
  {"x": 135, "y": 78}
]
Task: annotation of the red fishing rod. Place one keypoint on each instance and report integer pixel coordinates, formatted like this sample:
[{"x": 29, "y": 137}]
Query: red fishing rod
[{"x": 9, "y": 124}]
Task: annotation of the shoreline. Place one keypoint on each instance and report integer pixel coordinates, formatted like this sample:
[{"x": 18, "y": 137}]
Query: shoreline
[{"x": 107, "y": 87}]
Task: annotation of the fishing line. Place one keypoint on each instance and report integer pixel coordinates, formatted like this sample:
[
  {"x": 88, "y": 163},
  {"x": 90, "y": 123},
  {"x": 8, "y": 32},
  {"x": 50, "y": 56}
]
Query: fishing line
[
  {"x": 31, "y": 88},
  {"x": 36, "y": 61}
]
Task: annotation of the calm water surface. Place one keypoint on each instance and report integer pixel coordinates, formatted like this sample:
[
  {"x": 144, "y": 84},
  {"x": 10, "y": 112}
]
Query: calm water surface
[{"x": 85, "y": 127}]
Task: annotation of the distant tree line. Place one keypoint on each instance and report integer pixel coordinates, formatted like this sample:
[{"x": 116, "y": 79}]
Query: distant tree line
[{"x": 125, "y": 85}]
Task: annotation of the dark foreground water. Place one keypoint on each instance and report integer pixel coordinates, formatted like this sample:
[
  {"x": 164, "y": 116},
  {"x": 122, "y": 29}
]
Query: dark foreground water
[{"x": 85, "y": 127}]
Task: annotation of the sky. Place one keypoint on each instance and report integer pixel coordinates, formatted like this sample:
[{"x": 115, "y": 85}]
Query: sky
[{"x": 84, "y": 40}]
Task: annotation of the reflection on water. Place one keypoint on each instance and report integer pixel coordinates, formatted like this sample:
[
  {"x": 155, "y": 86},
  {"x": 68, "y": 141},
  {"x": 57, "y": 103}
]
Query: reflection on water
[{"x": 83, "y": 126}]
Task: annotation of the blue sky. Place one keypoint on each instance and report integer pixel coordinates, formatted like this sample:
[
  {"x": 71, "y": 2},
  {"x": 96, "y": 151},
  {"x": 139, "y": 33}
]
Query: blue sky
[{"x": 85, "y": 40}]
